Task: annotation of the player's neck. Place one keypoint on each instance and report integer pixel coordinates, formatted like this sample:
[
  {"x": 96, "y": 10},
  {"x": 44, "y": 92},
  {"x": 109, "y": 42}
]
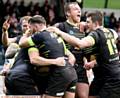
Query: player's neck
[
  {"x": 71, "y": 22},
  {"x": 98, "y": 27},
  {"x": 42, "y": 29}
]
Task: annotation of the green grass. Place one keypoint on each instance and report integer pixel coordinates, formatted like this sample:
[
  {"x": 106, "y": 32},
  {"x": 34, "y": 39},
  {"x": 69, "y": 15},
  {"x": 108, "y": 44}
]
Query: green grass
[{"x": 113, "y": 4}]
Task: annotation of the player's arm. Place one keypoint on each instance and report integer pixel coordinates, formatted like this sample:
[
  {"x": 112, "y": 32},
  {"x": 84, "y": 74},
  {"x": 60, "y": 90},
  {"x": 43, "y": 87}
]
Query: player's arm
[
  {"x": 5, "y": 39},
  {"x": 85, "y": 42},
  {"x": 90, "y": 65},
  {"x": 37, "y": 60},
  {"x": 71, "y": 58},
  {"x": 12, "y": 49},
  {"x": 26, "y": 40}
]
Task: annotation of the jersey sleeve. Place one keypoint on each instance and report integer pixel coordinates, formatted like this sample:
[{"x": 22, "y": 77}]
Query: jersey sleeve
[
  {"x": 115, "y": 34},
  {"x": 32, "y": 49},
  {"x": 94, "y": 36},
  {"x": 35, "y": 39},
  {"x": 61, "y": 26}
]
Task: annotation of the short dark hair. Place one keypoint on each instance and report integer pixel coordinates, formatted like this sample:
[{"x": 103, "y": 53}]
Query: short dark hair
[
  {"x": 37, "y": 19},
  {"x": 67, "y": 7},
  {"x": 96, "y": 16}
]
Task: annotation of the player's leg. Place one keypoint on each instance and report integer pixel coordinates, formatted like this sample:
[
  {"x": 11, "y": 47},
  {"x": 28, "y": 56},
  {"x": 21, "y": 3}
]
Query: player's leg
[
  {"x": 70, "y": 92},
  {"x": 82, "y": 86}
]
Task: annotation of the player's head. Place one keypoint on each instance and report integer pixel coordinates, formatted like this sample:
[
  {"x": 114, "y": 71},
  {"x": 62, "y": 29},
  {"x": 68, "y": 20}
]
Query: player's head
[
  {"x": 37, "y": 23},
  {"x": 73, "y": 11},
  {"x": 24, "y": 23},
  {"x": 95, "y": 19},
  {"x": 89, "y": 22}
]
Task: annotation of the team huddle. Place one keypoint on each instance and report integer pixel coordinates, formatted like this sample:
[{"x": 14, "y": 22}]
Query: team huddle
[{"x": 52, "y": 61}]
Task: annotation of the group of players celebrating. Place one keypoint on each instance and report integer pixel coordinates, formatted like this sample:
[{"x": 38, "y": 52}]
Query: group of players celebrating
[{"x": 52, "y": 61}]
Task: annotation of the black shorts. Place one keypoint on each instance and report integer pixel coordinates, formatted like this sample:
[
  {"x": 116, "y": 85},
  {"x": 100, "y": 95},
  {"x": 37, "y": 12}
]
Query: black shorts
[
  {"x": 96, "y": 86},
  {"x": 105, "y": 88},
  {"x": 82, "y": 78},
  {"x": 81, "y": 73},
  {"x": 111, "y": 89},
  {"x": 40, "y": 77},
  {"x": 61, "y": 78},
  {"x": 20, "y": 84},
  {"x": 72, "y": 87}
]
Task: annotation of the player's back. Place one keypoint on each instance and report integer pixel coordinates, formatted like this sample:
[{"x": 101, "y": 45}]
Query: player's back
[
  {"x": 50, "y": 45},
  {"x": 107, "y": 58}
]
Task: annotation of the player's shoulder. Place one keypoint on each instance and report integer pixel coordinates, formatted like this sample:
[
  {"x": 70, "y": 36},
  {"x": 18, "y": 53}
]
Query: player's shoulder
[{"x": 60, "y": 24}]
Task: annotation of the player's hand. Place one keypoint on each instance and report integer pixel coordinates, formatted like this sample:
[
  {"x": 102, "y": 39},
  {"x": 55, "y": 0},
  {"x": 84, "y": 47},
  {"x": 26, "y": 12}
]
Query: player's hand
[
  {"x": 6, "y": 25},
  {"x": 82, "y": 26},
  {"x": 71, "y": 60},
  {"x": 60, "y": 61},
  {"x": 28, "y": 33},
  {"x": 53, "y": 29},
  {"x": 89, "y": 65},
  {"x": 5, "y": 70}
]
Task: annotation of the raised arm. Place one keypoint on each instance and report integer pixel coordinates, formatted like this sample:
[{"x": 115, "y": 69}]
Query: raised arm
[
  {"x": 5, "y": 39},
  {"x": 85, "y": 42}
]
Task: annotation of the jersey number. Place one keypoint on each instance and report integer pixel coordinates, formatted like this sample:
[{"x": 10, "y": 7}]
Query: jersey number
[{"x": 112, "y": 46}]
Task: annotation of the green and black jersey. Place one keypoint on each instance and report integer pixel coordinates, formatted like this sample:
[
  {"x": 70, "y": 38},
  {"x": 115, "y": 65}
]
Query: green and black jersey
[
  {"x": 21, "y": 59},
  {"x": 107, "y": 58},
  {"x": 74, "y": 31},
  {"x": 49, "y": 44}
]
